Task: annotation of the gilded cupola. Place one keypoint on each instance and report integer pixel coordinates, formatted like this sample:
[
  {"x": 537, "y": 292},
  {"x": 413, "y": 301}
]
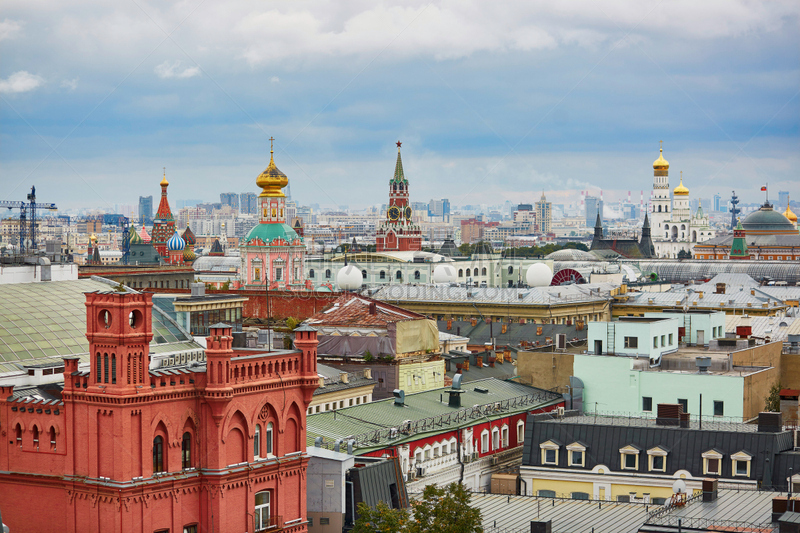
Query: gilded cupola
[{"x": 272, "y": 180}]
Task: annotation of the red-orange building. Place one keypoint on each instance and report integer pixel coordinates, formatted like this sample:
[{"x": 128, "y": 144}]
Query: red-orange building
[
  {"x": 398, "y": 232},
  {"x": 190, "y": 448}
]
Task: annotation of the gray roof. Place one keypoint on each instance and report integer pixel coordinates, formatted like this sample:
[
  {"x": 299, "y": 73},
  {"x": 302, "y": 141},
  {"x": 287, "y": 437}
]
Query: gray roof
[
  {"x": 606, "y": 435},
  {"x": 513, "y": 514},
  {"x": 371, "y": 483},
  {"x": 482, "y": 332},
  {"x": 555, "y": 295}
]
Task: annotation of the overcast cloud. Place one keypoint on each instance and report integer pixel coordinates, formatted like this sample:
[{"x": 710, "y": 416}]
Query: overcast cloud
[{"x": 493, "y": 101}]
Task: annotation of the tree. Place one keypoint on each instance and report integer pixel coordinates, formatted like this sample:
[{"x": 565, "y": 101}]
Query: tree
[
  {"x": 773, "y": 401},
  {"x": 683, "y": 254},
  {"x": 441, "y": 510},
  {"x": 465, "y": 249}
]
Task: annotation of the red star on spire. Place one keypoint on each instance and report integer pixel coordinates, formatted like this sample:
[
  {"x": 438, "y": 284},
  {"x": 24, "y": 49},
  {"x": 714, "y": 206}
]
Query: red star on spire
[{"x": 398, "y": 144}]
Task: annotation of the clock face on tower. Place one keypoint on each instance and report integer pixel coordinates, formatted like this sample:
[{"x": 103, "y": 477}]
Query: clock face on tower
[
  {"x": 408, "y": 212},
  {"x": 394, "y": 213}
]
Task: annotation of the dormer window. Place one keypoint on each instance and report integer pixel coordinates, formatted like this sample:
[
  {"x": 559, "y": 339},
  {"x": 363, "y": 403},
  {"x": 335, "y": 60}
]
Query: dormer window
[
  {"x": 657, "y": 459},
  {"x": 549, "y": 452},
  {"x": 576, "y": 454},
  {"x": 712, "y": 462},
  {"x": 741, "y": 463},
  {"x": 629, "y": 457}
]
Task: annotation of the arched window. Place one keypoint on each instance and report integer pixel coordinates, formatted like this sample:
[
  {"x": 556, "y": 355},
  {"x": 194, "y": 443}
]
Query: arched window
[
  {"x": 269, "y": 439},
  {"x": 311, "y": 273},
  {"x": 460, "y": 272},
  {"x": 35, "y": 437},
  {"x": 398, "y": 275},
  {"x": 257, "y": 442},
  {"x": 483, "y": 271},
  {"x": 520, "y": 431},
  {"x": 382, "y": 275},
  {"x": 659, "y": 209},
  {"x": 495, "y": 438},
  {"x": 485, "y": 441},
  {"x": 511, "y": 270},
  {"x": 475, "y": 273},
  {"x": 52, "y": 438},
  {"x": 328, "y": 273},
  {"x": 158, "y": 454},
  {"x": 416, "y": 274},
  {"x": 262, "y": 511},
  {"x": 18, "y": 431},
  {"x": 186, "y": 451},
  {"x": 364, "y": 274}
]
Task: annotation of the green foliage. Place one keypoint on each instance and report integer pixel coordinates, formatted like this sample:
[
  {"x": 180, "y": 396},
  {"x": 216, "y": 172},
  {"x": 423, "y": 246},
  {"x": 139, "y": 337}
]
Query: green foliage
[
  {"x": 465, "y": 249},
  {"x": 292, "y": 323},
  {"x": 441, "y": 510},
  {"x": 287, "y": 343},
  {"x": 773, "y": 400},
  {"x": 368, "y": 357},
  {"x": 227, "y": 285},
  {"x": 683, "y": 254},
  {"x": 541, "y": 251}
]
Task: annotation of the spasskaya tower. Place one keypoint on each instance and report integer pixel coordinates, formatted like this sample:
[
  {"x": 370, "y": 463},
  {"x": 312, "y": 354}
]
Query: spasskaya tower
[{"x": 398, "y": 233}]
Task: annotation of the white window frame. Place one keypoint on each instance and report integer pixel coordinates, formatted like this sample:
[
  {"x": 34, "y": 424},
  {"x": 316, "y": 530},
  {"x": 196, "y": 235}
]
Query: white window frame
[
  {"x": 262, "y": 512},
  {"x": 712, "y": 454},
  {"x": 270, "y": 436},
  {"x": 485, "y": 441},
  {"x": 257, "y": 442},
  {"x": 740, "y": 457},
  {"x": 495, "y": 438},
  {"x": 656, "y": 452},
  {"x": 549, "y": 445},
  {"x": 520, "y": 431},
  {"x": 504, "y": 437},
  {"x": 629, "y": 450},
  {"x": 576, "y": 447}
]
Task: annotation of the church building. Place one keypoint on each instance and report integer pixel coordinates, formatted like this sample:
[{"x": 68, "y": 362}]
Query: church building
[
  {"x": 272, "y": 253},
  {"x": 398, "y": 233},
  {"x": 675, "y": 228}
]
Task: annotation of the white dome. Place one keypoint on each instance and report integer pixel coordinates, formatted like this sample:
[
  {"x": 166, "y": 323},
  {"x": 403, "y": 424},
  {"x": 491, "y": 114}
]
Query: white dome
[
  {"x": 349, "y": 278},
  {"x": 539, "y": 275},
  {"x": 444, "y": 274}
]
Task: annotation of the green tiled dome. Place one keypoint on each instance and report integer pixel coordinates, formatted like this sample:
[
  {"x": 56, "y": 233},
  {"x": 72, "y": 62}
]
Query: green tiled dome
[{"x": 270, "y": 232}]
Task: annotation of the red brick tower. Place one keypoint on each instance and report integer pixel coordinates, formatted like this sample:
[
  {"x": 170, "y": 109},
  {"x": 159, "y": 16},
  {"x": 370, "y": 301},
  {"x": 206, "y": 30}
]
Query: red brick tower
[
  {"x": 164, "y": 223},
  {"x": 398, "y": 233}
]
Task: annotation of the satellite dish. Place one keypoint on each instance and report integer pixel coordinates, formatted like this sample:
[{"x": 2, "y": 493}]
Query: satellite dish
[{"x": 679, "y": 487}]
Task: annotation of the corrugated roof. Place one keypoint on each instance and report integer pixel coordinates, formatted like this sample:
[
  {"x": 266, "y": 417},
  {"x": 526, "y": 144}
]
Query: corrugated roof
[
  {"x": 354, "y": 310},
  {"x": 507, "y": 296},
  {"x": 776, "y": 328},
  {"x": 500, "y": 513}
]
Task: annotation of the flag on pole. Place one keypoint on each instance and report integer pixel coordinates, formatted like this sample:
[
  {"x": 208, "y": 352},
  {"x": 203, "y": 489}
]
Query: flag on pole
[{"x": 763, "y": 188}]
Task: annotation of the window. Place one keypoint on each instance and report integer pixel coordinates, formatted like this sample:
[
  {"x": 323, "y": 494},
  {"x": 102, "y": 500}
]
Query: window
[
  {"x": 269, "y": 438},
  {"x": 190, "y": 529},
  {"x": 629, "y": 457},
  {"x": 712, "y": 462},
  {"x": 35, "y": 437},
  {"x": 257, "y": 442},
  {"x": 262, "y": 513},
  {"x": 398, "y": 275},
  {"x": 520, "y": 431},
  {"x": 741, "y": 464},
  {"x": 504, "y": 436},
  {"x": 657, "y": 459},
  {"x": 546, "y": 494},
  {"x": 364, "y": 274},
  {"x": 495, "y": 439},
  {"x": 382, "y": 274},
  {"x": 52, "y": 438},
  {"x": 485, "y": 441},
  {"x": 18, "y": 432},
  {"x": 186, "y": 451},
  {"x": 158, "y": 454},
  {"x": 647, "y": 403},
  {"x": 631, "y": 342},
  {"x": 685, "y": 404},
  {"x": 549, "y": 452},
  {"x": 576, "y": 454},
  {"x": 663, "y": 341},
  {"x": 655, "y": 342},
  {"x": 483, "y": 271},
  {"x": 328, "y": 273},
  {"x": 719, "y": 408},
  {"x": 311, "y": 273},
  {"x": 580, "y": 496},
  {"x": 460, "y": 272},
  {"x": 670, "y": 339},
  {"x": 416, "y": 274}
]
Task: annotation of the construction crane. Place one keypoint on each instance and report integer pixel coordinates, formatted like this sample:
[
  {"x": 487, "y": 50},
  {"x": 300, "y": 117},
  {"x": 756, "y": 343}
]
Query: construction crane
[{"x": 27, "y": 219}]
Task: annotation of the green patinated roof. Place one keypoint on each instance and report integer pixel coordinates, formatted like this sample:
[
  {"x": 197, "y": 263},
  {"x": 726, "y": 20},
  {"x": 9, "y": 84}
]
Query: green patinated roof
[
  {"x": 371, "y": 423},
  {"x": 767, "y": 219},
  {"x": 398, "y": 170},
  {"x": 268, "y": 232},
  {"x": 42, "y": 322}
]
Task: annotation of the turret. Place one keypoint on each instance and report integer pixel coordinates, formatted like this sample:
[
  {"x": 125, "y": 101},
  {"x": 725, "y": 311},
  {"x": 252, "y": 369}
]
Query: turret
[
  {"x": 219, "y": 350},
  {"x": 598, "y": 228}
]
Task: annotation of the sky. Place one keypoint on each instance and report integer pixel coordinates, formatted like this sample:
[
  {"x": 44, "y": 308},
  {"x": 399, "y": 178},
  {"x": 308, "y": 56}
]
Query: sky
[{"x": 493, "y": 101}]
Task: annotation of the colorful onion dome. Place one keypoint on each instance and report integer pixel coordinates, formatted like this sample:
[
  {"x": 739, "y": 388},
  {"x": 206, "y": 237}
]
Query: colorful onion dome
[
  {"x": 144, "y": 235},
  {"x": 134, "y": 236},
  {"x": 176, "y": 243},
  {"x": 188, "y": 253},
  {"x": 189, "y": 237},
  {"x": 789, "y": 213}
]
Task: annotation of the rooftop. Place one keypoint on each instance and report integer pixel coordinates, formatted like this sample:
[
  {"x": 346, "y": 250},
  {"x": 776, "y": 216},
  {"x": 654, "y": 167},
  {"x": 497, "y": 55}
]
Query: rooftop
[
  {"x": 638, "y": 421},
  {"x": 563, "y": 294},
  {"x": 746, "y": 510},
  {"x": 359, "y": 311},
  {"x": 381, "y": 423}
]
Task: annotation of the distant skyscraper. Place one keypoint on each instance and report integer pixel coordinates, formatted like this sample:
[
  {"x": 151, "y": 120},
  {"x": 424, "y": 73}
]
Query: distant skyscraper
[
  {"x": 247, "y": 203},
  {"x": 783, "y": 199},
  {"x": 594, "y": 206},
  {"x": 229, "y": 198},
  {"x": 146, "y": 210},
  {"x": 544, "y": 214},
  {"x": 717, "y": 201}
]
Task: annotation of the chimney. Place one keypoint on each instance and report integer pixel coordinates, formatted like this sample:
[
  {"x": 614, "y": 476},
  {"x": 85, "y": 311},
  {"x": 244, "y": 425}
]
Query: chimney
[
  {"x": 479, "y": 361},
  {"x": 709, "y": 490},
  {"x": 700, "y": 293},
  {"x": 198, "y": 289},
  {"x": 541, "y": 527},
  {"x": 466, "y": 366},
  {"x": 321, "y": 382},
  {"x": 491, "y": 361},
  {"x": 368, "y": 373},
  {"x": 373, "y": 308},
  {"x": 344, "y": 377}
]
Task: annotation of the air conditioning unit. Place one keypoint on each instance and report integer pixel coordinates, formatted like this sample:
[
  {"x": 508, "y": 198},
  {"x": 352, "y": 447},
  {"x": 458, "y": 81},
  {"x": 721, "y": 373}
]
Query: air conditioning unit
[
  {"x": 474, "y": 456},
  {"x": 421, "y": 470},
  {"x": 393, "y": 433},
  {"x": 494, "y": 460},
  {"x": 560, "y": 411}
]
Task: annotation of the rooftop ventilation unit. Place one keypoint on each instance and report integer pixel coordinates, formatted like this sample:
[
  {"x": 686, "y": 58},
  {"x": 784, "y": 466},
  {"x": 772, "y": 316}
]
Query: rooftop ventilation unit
[
  {"x": 482, "y": 390},
  {"x": 703, "y": 363},
  {"x": 399, "y": 397}
]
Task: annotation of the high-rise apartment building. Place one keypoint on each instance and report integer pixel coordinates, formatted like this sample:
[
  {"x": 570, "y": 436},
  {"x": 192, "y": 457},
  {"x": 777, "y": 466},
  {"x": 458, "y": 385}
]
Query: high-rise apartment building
[
  {"x": 248, "y": 203},
  {"x": 146, "y": 210},
  {"x": 544, "y": 214},
  {"x": 594, "y": 206},
  {"x": 229, "y": 198}
]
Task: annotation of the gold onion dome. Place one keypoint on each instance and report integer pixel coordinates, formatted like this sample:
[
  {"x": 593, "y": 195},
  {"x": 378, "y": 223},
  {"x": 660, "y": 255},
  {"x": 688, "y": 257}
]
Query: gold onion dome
[
  {"x": 661, "y": 163},
  {"x": 680, "y": 190},
  {"x": 188, "y": 253},
  {"x": 164, "y": 181},
  {"x": 272, "y": 180},
  {"x": 790, "y": 214}
]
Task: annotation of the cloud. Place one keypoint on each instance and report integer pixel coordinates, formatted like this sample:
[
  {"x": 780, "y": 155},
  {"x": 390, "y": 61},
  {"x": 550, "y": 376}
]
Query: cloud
[
  {"x": 9, "y": 29},
  {"x": 168, "y": 70},
  {"x": 20, "y": 82},
  {"x": 70, "y": 84},
  {"x": 275, "y": 79}
]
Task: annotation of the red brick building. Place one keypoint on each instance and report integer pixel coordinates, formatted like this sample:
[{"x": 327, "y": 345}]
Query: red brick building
[
  {"x": 398, "y": 232},
  {"x": 190, "y": 448}
]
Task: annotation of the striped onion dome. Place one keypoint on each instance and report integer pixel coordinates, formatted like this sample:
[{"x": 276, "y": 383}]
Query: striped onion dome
[{"x": 176, "y": 243}]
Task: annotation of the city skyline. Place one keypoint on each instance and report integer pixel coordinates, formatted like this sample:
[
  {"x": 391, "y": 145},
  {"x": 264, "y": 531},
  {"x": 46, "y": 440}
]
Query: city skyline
[{"x": 96, "y": 99}]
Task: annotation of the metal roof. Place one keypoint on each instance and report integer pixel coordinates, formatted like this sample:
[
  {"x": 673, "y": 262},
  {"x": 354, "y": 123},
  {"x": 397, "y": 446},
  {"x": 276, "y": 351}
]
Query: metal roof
[
  {"x": 381, "y": 423},
  {"x": 513, "y": 514},
  {"x": 44, "y": 322},
  {"x": 746, "y": 510},
  {"x": 496, "y": 295}
]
